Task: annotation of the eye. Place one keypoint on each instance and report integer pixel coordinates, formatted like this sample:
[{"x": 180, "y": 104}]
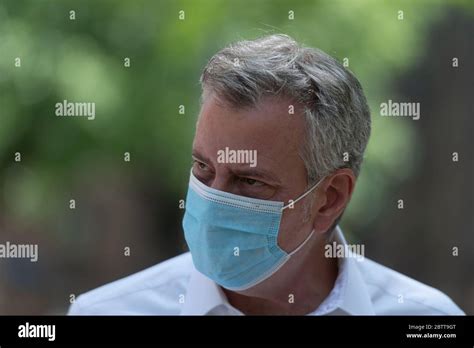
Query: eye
[
  {"x": 200, "y": 165},
  {"x": 252, "y": 182},
  {"x": 254, "y": 188}
]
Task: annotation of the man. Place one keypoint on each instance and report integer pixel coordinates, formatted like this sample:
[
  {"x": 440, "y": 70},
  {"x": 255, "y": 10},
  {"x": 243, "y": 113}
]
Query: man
[{"x": 279, "y": 144}]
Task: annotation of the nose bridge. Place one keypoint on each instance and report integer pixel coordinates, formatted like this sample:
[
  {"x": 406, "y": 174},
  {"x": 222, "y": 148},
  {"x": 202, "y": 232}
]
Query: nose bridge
[{"x": 222, "y": 181}]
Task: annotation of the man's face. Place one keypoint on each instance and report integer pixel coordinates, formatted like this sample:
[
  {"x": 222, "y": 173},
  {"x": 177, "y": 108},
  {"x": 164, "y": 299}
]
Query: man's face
[{"x": 279, "y": 175}]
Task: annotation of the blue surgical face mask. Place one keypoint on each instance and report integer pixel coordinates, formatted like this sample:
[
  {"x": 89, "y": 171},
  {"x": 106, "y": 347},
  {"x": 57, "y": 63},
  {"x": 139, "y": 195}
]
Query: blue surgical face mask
[{"x": 233, "y": 239}]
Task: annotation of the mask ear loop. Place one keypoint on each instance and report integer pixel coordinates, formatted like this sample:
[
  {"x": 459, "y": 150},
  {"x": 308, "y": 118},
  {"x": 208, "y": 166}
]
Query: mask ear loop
[
  {"x": 302, "y": 244},
  {"x": 303, "y": 195},
  {"x": 312, "y": 232}
]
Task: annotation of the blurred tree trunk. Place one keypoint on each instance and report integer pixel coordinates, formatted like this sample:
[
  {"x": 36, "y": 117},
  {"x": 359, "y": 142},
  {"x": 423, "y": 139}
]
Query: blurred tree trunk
[{"x": 438, "y": 214}]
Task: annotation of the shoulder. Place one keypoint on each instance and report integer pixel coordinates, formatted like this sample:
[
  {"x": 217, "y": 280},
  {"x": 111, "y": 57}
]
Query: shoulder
[
  {"x": 393, "y": 293},
  {"x": 155, "y": 290}
]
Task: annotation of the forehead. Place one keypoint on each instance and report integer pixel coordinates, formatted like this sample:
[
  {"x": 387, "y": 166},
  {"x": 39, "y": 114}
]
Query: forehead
[{"x": 269, "y": 127}]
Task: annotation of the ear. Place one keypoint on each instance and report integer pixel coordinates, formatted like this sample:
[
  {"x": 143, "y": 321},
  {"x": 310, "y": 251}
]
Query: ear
[{"x": 333, "y": 195}]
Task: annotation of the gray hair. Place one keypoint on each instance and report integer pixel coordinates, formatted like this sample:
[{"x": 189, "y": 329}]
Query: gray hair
[{"x": 335, "y": 108}]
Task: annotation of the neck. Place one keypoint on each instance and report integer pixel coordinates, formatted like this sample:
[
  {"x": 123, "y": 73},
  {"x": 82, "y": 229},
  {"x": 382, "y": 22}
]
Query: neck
[{"x": 298, "y": 288}]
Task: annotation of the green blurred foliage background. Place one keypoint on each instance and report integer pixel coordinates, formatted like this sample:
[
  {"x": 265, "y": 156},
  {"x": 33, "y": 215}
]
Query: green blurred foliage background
[{"x": 135, "y": 203}]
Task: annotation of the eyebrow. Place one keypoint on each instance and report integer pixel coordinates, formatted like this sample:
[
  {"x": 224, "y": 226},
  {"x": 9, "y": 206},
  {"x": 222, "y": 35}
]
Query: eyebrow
[
  {"x": 196, "y": 155},
  {"x": 244, "y": 170}
]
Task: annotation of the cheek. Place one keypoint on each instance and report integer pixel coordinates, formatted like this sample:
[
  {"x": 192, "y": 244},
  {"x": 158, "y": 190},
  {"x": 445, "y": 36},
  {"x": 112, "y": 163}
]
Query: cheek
[{"x": 294, "y": 228}]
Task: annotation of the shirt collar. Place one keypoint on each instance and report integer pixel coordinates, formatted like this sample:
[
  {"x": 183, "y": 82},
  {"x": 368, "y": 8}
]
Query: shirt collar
[
  {"x": 355, "y": 297},
  {"x": 349, "y": 295}
]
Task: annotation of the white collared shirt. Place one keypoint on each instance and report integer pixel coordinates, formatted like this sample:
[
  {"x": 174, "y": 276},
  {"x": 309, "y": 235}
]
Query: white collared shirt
[{"x": 175, "y": 287}]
